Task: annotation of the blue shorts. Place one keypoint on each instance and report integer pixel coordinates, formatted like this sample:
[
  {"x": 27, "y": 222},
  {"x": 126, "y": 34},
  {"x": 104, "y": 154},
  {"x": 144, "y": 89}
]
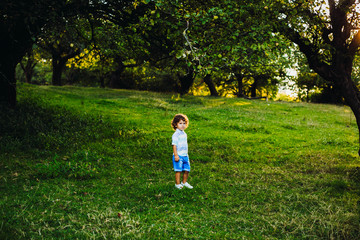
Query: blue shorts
[{"x": 182, "y": 165}]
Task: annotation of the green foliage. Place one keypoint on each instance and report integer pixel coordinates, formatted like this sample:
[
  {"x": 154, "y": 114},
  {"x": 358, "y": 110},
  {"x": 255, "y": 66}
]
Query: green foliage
[
  {"x": 228, "y": 37},
  {"x": 42, "y": 72}
]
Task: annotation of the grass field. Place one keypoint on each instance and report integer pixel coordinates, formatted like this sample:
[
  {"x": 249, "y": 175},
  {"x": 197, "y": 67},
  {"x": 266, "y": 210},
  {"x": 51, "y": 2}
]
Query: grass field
[{"x": 89, "y": 163}]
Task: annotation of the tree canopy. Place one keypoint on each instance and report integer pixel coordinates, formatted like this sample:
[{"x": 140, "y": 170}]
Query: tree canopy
[
  {"x": 241, "y": 45},
  {"x": 327, "y": 32}
]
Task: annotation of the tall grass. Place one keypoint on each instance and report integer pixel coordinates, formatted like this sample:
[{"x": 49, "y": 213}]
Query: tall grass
[{"x": 92, "y": 163}]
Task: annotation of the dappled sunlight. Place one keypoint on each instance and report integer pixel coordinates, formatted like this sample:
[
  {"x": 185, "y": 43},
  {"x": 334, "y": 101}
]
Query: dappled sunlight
[{"x": 241, "y": 103}]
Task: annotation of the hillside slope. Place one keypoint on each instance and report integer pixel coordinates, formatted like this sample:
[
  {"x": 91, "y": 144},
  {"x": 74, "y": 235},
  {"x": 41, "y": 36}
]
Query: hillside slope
[{"x": 96, "y": 163}]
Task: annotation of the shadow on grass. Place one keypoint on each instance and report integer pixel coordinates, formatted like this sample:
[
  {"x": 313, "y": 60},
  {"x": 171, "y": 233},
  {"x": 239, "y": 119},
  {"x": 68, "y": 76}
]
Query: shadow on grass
[{"x": 34, "y": 124}]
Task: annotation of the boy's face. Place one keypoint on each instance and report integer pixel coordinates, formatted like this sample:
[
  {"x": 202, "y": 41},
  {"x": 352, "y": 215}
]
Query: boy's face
[{"x": 181, "y": 125}]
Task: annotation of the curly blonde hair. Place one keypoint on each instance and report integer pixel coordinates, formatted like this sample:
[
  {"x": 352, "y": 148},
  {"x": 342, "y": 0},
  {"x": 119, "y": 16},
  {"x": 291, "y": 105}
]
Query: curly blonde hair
[{"x": 177, "y": 119}]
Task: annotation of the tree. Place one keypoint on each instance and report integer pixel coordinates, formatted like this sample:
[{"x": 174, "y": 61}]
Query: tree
[
  {"x": 28, "y": 64},
  {"x": 307, "y": 81},
  {"x": 328, "y": 35},
  {"x": 22, "y": 21},
  {"x": 211, "y": 85},
  {"x": 226, "y": 36},
  {"x": 63, "y": 41}
]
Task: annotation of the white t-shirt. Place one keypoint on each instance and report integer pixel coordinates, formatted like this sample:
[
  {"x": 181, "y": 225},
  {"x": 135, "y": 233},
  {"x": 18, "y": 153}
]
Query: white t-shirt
[{"x": 179, "y": 139}]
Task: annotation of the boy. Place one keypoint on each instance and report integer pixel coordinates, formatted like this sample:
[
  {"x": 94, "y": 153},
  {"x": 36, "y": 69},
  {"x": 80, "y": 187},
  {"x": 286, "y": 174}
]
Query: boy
[{"x": 180, "y": 147}]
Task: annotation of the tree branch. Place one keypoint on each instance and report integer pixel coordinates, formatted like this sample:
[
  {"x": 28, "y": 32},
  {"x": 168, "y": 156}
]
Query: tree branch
[
  {"x": 339, "y": 21},
  {"x": 311, "y": 52},
  {"x": 345, "y": 4}
]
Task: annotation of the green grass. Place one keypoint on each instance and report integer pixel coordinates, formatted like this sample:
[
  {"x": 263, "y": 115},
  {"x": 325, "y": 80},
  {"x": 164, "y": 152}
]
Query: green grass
[{"x": 89, "y": 163}]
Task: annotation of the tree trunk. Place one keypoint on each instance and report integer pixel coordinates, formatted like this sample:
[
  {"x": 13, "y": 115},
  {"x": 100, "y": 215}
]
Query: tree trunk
[
  {"x": 29, "y": 67},
  {"x": 58, "y": 66},
  {"x": 239, "y": 78},
  {"x": 350, "y": 93},
  {"x": 28, "y": 76},
  {"x": 211, "y": 85},
  {"x": 339, "y": 73},
  {"x": 59, "y": 60},
  {"x": 14, "y": 41},
  {"x": 102, "y": 82},
  {"x": 307, "y": 94},
  {"x": 28, "y": 70},
  {"x": 253, "y": 88},
  {"x": 352, "y": 99},
  {"x": 186, "y": 81},
  {"x": 116, "y": 78},
  {"x": 7, "y": 82}
]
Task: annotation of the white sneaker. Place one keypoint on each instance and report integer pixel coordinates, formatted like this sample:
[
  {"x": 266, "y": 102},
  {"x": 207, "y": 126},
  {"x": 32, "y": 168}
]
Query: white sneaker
[
  {"x": 179, "y": 186},
  {"x": 187, "y": 185}
]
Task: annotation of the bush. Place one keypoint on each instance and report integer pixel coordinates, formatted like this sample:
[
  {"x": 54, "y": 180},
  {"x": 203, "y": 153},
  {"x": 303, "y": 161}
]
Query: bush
[
  {"x": 326, "y": 96},
  {"x": 163, "y": 82},
  {"x": 82, "y": 77}
]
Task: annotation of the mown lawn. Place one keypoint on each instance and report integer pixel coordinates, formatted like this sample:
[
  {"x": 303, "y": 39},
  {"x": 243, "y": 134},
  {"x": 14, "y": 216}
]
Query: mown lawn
[{"x": 89, "y": 163}]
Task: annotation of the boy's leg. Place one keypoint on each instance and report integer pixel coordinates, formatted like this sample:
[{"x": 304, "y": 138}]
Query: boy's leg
[
  {"x": 177, "y": 177},
  {"x": 185, "y": 177}
]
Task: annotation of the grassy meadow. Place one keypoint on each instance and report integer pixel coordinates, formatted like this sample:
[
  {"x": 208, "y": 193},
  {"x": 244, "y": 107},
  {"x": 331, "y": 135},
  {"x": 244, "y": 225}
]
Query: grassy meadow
[{"x": 89, "y": 163}]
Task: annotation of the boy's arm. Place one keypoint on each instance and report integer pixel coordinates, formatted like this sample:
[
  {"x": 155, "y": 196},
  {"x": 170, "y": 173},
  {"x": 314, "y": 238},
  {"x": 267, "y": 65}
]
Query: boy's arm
[{"x": 177, "y": 158}]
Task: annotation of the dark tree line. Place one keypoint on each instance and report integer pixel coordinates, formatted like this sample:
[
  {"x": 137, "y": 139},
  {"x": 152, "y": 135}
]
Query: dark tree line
[{"x": 22, "y": 22}]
